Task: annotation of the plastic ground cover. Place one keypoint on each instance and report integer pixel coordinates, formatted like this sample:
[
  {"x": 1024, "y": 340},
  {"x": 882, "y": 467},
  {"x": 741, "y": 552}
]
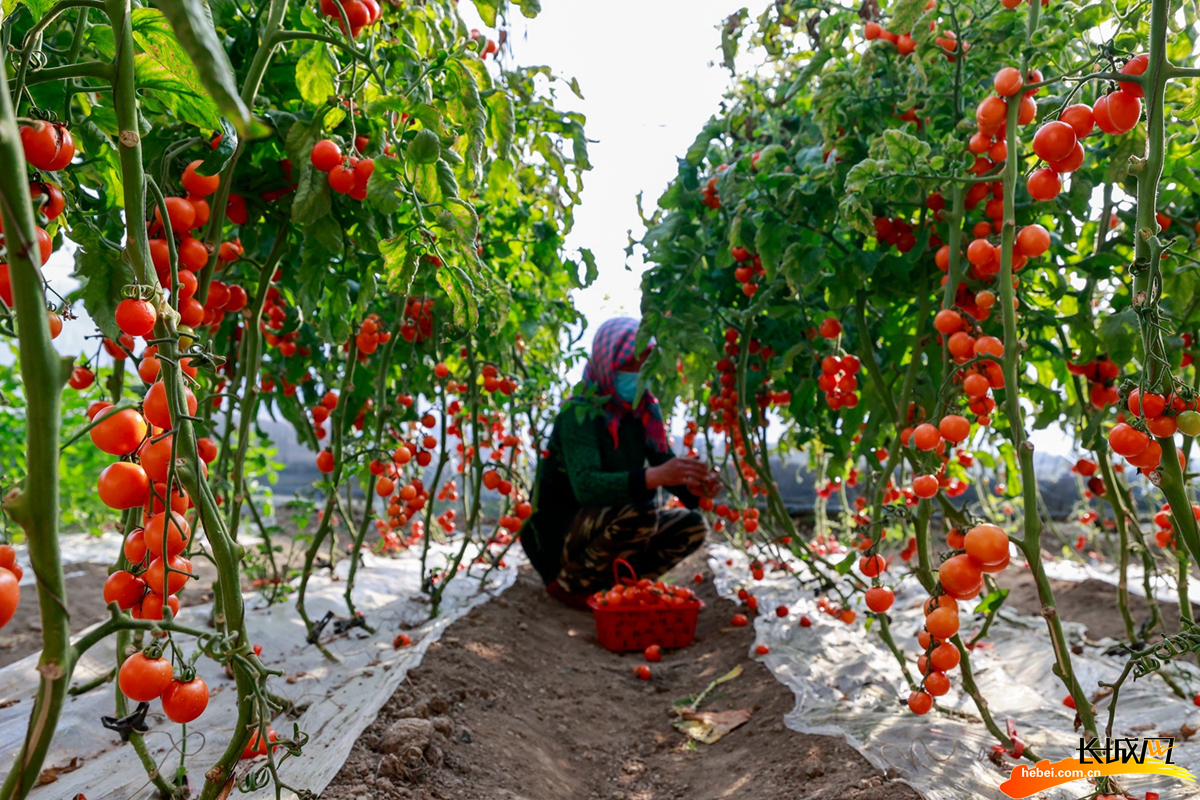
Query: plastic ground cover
[
  {"x": 847, "y": 683},
  {"x": 339, "y": 700}
]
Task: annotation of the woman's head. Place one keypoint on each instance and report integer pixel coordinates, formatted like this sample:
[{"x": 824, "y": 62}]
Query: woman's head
[
  {"x": 615, "y": 362},
  {"x": 612, "y": 371}
]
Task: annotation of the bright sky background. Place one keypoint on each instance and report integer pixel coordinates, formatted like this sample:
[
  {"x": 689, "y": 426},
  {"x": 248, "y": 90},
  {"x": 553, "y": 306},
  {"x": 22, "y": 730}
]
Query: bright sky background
[{"x": 650, "y": 75}]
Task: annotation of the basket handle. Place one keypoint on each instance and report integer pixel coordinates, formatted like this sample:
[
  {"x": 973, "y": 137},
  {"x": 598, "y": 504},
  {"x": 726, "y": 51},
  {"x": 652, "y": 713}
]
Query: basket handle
[{"x": 617, "y": 572}]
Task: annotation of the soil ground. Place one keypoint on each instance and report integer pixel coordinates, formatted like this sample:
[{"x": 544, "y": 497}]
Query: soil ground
[
  {"x": 525, "y": 705},
  {"x": 518, "y": 701}
]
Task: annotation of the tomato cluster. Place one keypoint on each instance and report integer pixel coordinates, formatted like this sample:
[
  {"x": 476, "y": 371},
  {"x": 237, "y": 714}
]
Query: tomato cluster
[
  {"x": 1101, "y": 375},
  {"x": 144, "y": 677},
  {"x": 1156, "y": 417},
  {"x": 347, "y": 174},
  {"x": 645, "y": 593},
  {"x": 906, "y": 45},
  {"x": 982, "y": 549},
  {"x": 747, "y": 270},
  {"x": 418, "y": 320},
  {"x": 1165, "y": 535},
  {"x": 358, "y": 13}
]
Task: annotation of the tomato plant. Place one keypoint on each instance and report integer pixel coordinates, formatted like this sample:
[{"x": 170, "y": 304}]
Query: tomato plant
[
  {"x": 926, "y": 233},
  {"x": 347, "y": 215}
]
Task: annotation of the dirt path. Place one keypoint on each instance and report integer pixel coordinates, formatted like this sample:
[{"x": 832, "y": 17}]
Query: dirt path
[{"x": 518, "y": 702}]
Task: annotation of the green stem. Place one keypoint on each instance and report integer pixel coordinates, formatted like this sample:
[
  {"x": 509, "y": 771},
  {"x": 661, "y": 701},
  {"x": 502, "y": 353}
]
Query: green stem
[
  {"x": 35, "y": 504},
  {"x": 1031, "y": 541}
]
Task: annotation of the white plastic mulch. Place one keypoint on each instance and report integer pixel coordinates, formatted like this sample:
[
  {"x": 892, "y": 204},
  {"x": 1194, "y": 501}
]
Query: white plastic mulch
[
  {"x": 847, "y": 683},
  {"x": 339, "y": 700}
]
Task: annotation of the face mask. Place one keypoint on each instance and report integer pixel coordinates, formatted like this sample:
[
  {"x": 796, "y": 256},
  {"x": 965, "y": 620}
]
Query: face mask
[{"x": 625, "y": 385}]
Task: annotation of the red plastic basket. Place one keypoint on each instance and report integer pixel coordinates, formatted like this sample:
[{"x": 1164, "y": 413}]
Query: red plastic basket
[{"x": 625, "y": 629}]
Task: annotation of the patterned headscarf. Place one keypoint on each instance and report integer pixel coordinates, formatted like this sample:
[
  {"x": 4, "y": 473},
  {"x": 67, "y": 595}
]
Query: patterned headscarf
[{"x": 613, "y": 346}]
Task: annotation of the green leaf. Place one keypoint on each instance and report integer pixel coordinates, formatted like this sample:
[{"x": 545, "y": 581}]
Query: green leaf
[
  {"x": 189, "y": 102},
  {"x": 216, "y": 160},
  {"x": 992, "y": 602},
  {"x": 425, "y": 148},
  {"x": 193, "y": 26},
  {"x": 502, "y": 122},
  {"x": 312, "y": 199},
  {"x": 460, "y": 290},
  {"x": 383, "y": 185},
  {"x": 487, "y": 11},
  {"x": 400, "y": 264},
  {"x": 328, "y": 234},
  {"x": 37, "y": 8},
  {"x": 591, "y": 270},
  {"x": 316, "y": 75},
  {"x": 102, "y": 274}
]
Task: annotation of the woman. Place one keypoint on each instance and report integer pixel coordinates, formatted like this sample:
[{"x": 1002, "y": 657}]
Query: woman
[{"x": 595, "y": 498}]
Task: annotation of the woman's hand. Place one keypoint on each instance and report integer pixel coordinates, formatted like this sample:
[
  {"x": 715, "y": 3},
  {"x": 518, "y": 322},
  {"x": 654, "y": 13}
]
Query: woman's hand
[
  {"x": 678, "y": 472},
  {"x": 709, "y": 488}
]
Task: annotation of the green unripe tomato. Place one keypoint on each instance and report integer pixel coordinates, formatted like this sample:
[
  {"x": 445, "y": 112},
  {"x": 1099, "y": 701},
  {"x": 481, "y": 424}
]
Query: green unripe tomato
[{"x": 1189, "y": 423}]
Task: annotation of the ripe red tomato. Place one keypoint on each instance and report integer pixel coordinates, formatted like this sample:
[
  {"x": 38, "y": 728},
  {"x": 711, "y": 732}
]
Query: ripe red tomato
[
  {"x": 134, "y": 547},
  {"x": 942, "y": 623},
  {"x": 325, "y": 155},
  {"x": 184, "y": 701},
  {"x": 1054, "y": 141},
  {"x": 1007, "y": 81},
  {"x": 124, "y": 588},
  {"x": 1135, "y": 66},
  {"x": 167, "y": 583},
  {"x": 925, "y": 487},
  {"x": 937, "y": 684},
  {"x": 81, "y": 378},
  {"x": 142, "y": 679},
  {"x": 642, "y": 672},
  {"x": 653, "y": 653},
  {"x": 961, "y": 577},
  {"x": 1044, "y": 184},
  {"x": 154, "y": 405},
  {"x": 944, "y": 657},
  {"x": 872, "y": 566},
  {"x": 1033, "y": 240},
  {"x": 48, "y": 146},
  {"x": 325, "y": 461},
  {"x": 178, "y": 532},
  {"x": 739, "y": 620},
  {"x": 879, "y": 599},
  {"x": 180, "y": 212},
  {"x": 197, "y": 184},
  {"x": 54, "y": 204},
  {"x": 135, "y": 317},
  {"x": 920, "y": 703},
  {"x": 10, "y": 595},
  {"x": 403, "y": 640},
  {"x": 123, "y": 485},
  {"x": 1079, "y": 117},
  {"x": 926, "y": 437},
  {"x": 954, "y": 428},
  {"x": 120, "y": 433},
  {"x": 1126, "y": 440}
]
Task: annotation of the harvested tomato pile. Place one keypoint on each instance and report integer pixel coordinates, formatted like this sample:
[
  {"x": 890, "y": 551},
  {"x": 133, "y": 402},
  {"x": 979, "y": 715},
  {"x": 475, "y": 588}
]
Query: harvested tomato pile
[{"x": 645, "y": 594}]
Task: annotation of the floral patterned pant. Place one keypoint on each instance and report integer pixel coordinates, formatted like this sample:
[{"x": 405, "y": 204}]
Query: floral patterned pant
[{"x": 651, "y": 538}]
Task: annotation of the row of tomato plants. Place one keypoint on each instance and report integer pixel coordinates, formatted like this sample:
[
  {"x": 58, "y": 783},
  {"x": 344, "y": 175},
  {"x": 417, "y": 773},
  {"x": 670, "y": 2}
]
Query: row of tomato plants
[
  {"x": 340, "y": 219},
  {"x": 910, "y": 294}
]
